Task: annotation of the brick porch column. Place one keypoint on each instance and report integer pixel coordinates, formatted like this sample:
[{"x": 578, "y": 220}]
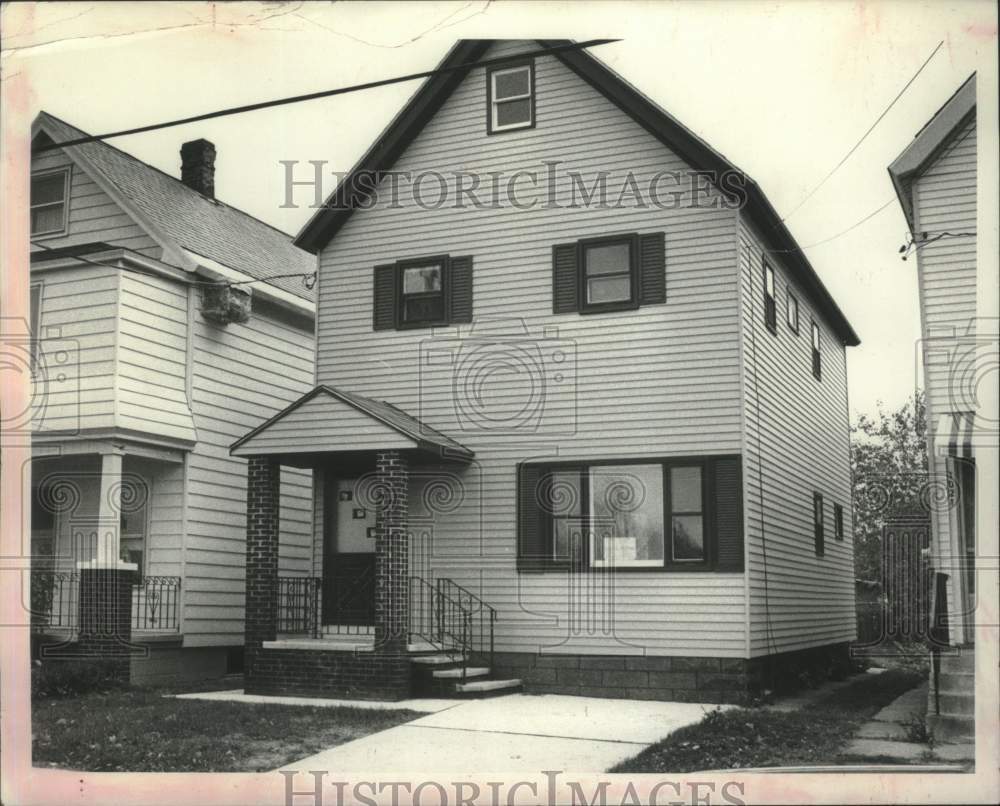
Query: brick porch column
[
  {"x": 263, "y": 494},
  {"x": 392, "y": 563}
]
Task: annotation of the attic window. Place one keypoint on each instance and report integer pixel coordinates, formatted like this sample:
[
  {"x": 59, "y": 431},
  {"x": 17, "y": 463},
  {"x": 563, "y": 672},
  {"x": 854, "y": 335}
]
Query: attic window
[
  {"x": 49, "y": 193},
  {"x": 510, "y": 92}
]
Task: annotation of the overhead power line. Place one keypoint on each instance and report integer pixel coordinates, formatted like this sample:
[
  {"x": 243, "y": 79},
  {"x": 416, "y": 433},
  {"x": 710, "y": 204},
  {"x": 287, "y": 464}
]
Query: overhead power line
[
  {"x": 238, "y": 110},
  {"x": 871, "y": 128}
]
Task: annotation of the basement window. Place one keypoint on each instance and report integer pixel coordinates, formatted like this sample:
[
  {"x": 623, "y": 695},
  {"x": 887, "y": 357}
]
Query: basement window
[{"x": 510, "y": 91}]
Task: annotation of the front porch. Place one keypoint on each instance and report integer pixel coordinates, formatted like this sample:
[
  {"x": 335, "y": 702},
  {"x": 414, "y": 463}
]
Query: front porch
[{"x": 364, "y": 623}]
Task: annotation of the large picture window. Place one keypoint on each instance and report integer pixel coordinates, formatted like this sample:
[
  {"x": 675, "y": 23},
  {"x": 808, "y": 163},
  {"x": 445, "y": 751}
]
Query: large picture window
[{"x": 675, "y": 514}]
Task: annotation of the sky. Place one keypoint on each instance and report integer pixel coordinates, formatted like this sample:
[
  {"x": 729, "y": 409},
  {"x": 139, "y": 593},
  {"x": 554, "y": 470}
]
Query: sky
[{"x": 783, "y": 89}]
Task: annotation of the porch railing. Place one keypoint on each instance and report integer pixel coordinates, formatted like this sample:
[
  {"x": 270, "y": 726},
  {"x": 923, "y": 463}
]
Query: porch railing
[
  {"x": 453, "y": 618},
  {"x": 299, "y": 605},
  {"x": 55, "y": 602}
]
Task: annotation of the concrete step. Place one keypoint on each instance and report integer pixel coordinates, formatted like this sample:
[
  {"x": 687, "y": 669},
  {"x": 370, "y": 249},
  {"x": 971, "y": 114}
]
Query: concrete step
[
  {"x": 952, "y": 728},
  {"x": 962, "y": 704},
  {"x": 884, "y": 730},
  {"x": 484, "y": 687},
  {"x": 456, "y": 673},
  {"x": 420, "y": 646},
  {"x": 439, "y": 659},
  {"x": 963, "y": 661}
]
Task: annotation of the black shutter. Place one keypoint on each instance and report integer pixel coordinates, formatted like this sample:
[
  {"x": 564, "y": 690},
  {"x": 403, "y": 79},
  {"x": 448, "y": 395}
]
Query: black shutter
[
  {"x": 460, "y": 279},
  {"x": 728, "y": 515},
  {"x": 565, "y": 294},
  {"x": 384, "y": 298},
  {"x": 531, "y": 553},
  {"x": 652, "y": 269}
]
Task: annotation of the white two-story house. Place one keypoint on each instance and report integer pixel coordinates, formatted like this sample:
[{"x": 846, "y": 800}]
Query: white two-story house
[
  {"x": 580, "y": 422},
  {"x": 164, "y": 323}
]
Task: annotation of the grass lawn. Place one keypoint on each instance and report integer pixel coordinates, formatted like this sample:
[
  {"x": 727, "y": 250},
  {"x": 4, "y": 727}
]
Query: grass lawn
[
  {"x": 758, "y": 737},
  {"x": 140, "y": 730}
]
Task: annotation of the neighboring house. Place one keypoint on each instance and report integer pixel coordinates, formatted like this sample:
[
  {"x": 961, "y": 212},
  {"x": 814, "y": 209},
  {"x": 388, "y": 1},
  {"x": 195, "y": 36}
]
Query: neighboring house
[
  {"x": 935, "y": 179},
  {"x": 587, "y": 450},
  {"x": 148, "y": 366}
]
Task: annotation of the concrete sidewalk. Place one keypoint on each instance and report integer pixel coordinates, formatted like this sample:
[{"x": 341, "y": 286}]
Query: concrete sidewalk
[{"x": 516, "y": 733}]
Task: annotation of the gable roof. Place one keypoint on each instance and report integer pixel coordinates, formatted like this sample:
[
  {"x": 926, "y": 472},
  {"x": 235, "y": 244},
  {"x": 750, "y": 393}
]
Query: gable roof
[
  {"x": 418, "y": 433},
  {"x": 428, "y": 99},
  {"x": 929, "y": 141},
  {"x": 193, "y": 222}
]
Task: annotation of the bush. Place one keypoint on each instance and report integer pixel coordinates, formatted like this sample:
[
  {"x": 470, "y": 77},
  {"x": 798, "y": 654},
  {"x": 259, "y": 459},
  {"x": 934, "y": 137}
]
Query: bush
[{"x": 56, "y": 677}]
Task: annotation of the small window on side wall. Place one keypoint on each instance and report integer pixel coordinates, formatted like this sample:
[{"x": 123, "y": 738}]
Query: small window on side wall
[
  {"x": 792, "y": 313},
  {"x": 770, "y": 305},
  {"x": 838, "y": 521},
  {"x": 817, "y": 360},
  {"x": 818, "y": 524},
  {"x": 510, "y": 91},
  {"x": 49, "y": 196}
]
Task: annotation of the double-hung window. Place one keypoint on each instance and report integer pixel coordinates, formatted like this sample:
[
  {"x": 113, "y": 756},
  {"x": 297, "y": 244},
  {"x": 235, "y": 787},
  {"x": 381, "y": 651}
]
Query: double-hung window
[
  {"x": 510, "y": 91},
  {"x": 421, "y": 293},
  {"x": 817, "y": 361},
  {"x": 608, "y": 273},
  {"x": 770, "y": 305},
  {"x": 792, "y": 313},
  {"x": 49, "y": 195}
]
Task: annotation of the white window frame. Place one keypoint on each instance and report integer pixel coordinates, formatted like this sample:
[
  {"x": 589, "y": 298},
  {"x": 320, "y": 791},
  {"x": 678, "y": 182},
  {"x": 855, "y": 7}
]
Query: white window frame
[
  {"x": 495, "y": 102},
  {"x": 66, "y": 171},
  {"x": 792, "y": 306}
]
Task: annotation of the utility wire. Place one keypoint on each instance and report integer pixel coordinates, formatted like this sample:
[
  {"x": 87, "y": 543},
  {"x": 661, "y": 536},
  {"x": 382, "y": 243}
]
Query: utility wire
[
  {"x": 865, "y": 135},
  {"x": 236, "y": 110},
  {"x": 843, "y": 232}
]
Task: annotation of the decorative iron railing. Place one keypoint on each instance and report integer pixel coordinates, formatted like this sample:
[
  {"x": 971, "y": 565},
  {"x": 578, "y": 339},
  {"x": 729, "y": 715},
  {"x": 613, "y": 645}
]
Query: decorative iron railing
[
  {"x": 452, "y": 618},
  {"x": 299, "y": 605},
  {"x": 55, "y": 602},
  {"x": 156, "y": 604}
]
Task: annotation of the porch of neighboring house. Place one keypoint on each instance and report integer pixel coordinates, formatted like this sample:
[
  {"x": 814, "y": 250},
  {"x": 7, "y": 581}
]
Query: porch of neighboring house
[
  {"x": 373, "y": 621},
  {"x": 955, "y": 440},
  {"x": 103, "y": 507}
]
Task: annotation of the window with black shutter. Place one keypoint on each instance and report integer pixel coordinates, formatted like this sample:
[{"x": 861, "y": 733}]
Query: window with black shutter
[
  {"x": 631, "y": 514},
  {"x": 818, "y": 524},
  {"x": 422, "y": 292},
  {"x": 770, "y": 305},
  {"x": 817, "y": 365},
  {"x": 609, "y": 273}
]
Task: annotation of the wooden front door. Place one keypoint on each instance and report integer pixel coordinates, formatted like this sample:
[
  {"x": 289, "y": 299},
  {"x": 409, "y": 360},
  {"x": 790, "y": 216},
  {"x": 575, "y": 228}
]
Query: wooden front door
[{"x": 348, "y": 557}]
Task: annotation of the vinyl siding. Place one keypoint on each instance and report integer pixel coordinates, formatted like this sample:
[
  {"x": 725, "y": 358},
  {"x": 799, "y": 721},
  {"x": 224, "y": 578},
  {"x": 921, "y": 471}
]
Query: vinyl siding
[
  {"x": 75, "y": 384},
  {"x": 944, "y": 200},
  {"x": 797, "y": 443},
  {"x": 152, "y": 355},
  {"x": 323, "y": 424},
  {"x": 93, "y": 215},
  {"x": 662, "y": 380},
  {"x": 242, "y": 374}
]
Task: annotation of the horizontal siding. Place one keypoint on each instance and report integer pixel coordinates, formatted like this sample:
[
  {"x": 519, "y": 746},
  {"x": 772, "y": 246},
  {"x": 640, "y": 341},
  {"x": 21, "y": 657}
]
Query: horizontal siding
[
  {"x": 944, "y": 200},
  {"x": 93, "y": 215},
  {"x": 75, "y": 385},
  {"x": 242, "y": 374},
  {"x": 797, "y": 436},
  {"x": 152, "y": 351},
  {"x": 661, "y": 380},
  {"x": 323, "y": 424}
]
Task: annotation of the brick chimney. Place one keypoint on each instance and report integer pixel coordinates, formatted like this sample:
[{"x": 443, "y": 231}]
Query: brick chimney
[{"x": 198, "y": 166}]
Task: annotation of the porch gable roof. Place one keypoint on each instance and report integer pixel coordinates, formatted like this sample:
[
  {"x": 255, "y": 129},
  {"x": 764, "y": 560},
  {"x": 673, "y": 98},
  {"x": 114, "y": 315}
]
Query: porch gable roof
[{"x": 329, "y": 420}]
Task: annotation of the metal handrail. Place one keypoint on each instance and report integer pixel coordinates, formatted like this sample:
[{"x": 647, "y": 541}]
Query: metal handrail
[{"x": 487, "y": 616}]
